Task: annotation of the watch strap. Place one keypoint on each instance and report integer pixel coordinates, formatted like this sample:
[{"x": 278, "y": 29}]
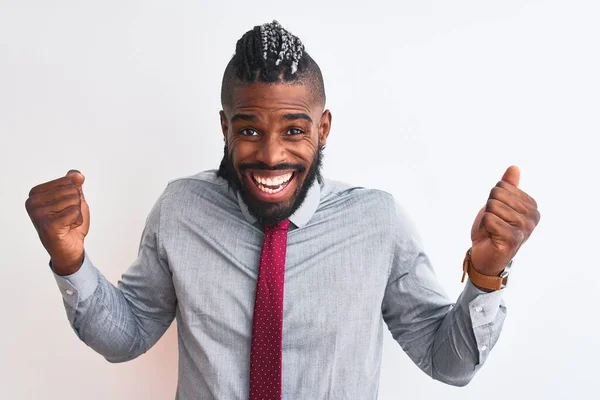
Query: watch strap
[{"x": 480, "y": 280}]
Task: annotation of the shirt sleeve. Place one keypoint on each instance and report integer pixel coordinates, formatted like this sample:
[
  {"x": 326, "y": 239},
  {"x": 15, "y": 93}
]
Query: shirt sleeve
[
  {"x": 448, "y": 341},
  {"x": 122, "y": 322}
]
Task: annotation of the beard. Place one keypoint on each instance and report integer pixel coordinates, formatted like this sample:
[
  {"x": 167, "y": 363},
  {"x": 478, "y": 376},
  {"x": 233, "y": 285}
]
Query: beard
[{"x": 270, "y": 213}]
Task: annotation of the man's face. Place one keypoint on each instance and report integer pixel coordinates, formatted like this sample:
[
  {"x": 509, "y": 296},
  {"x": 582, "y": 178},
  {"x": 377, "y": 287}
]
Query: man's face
[{"x": 273, "y": 134}]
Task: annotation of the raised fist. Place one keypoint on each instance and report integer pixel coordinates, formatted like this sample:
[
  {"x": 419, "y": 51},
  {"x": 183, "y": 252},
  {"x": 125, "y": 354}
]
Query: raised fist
[{"x": 61, "y": 217}]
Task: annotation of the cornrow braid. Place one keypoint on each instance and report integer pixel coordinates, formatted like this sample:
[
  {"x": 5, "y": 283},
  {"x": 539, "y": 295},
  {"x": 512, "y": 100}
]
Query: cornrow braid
[
  {"x": 279, "y": 43},
  {"x": 270, "y": 54}
]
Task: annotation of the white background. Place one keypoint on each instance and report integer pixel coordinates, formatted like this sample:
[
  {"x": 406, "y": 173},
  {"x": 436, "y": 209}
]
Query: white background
[{"x": 431, "y": 101}]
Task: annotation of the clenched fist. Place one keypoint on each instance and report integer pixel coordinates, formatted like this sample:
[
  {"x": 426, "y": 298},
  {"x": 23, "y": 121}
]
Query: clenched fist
[
  {"x": 61, "y": 217},
  {"x": 503, "y": 225}
]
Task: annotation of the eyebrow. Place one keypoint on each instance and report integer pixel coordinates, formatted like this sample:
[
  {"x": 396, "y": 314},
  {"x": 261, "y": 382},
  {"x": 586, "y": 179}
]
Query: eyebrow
[
  {"x": 291, "y": 117},
  {"x": 244, "y": 117}
]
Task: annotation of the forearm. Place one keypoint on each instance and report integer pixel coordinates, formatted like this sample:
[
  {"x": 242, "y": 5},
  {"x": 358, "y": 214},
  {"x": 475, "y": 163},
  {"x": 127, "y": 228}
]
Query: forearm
[
  {"x": 466, "y": 336},
  {"x": 103, "y": 318},
  {"x": 449, "y": 342}
]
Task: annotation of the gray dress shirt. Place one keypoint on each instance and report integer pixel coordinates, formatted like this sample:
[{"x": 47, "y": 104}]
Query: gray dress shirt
[{"x": 354, "y": 262}]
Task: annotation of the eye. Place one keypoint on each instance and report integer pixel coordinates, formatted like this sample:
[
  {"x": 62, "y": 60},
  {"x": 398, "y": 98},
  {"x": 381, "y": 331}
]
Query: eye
[
  {"x": 248, "y": 132},
  {"x": 294, "y": 132}
]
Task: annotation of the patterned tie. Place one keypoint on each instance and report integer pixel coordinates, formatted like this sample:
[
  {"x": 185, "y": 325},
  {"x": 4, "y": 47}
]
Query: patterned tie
[{"x": 267, "y": 324}]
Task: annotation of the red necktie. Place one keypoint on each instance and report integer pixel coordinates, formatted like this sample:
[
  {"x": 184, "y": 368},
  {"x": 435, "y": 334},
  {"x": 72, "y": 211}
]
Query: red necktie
[{"x": 267, "y": 324}]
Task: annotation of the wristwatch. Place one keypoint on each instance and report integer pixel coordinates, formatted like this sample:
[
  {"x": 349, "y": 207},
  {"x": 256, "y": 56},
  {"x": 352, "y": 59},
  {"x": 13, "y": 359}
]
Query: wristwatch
[{"x": 485, "y": 281}]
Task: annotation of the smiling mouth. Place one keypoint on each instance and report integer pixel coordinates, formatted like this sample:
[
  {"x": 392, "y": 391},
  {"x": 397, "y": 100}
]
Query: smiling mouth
[{"x": 271, "y": 184}]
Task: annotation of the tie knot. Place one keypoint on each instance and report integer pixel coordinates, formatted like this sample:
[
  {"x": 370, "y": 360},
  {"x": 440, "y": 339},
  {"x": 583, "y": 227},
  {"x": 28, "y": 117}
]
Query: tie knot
[{"x": 281, "y": 226}]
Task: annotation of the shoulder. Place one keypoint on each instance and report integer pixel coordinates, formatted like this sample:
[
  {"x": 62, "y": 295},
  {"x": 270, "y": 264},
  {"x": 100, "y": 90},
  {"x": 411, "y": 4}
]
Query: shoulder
[
  {"x": 203, "y": 188},
  {"x": 344, "y": 195},
  {"x": 205, "y": 179},
  {"x": 375, "y": 205}
]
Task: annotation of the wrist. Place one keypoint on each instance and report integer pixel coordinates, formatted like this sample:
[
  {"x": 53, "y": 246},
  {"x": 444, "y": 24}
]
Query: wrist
[
  {"x": 65, "y": 267},
  {"x": 485, "y": 281}
]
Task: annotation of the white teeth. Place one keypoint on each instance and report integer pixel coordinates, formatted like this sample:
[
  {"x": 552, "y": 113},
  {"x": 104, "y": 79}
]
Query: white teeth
[
  {"x": 270, "y": 191},
  {"x": 272, "y": 181},
  {"x": 279, "y": 181}
]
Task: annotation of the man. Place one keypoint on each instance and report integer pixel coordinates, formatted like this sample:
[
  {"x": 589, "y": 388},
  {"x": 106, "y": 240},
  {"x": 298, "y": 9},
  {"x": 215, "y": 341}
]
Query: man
[{"x": 279, "y": 279}]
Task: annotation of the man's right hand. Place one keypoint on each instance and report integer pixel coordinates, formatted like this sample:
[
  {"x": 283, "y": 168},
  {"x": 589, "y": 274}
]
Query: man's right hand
[{"x": 61, "y": 217}]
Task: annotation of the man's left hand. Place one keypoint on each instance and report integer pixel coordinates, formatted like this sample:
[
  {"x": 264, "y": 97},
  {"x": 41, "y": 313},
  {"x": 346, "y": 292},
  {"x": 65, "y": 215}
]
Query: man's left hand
[{"x": 503, "y": 225}]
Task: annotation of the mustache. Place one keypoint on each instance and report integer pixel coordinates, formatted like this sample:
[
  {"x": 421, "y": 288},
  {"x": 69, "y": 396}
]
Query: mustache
[{"x": 264, "y": 167}]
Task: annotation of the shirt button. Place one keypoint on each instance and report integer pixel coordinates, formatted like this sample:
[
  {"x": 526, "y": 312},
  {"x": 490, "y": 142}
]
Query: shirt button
[
  {"x": 479, "y": 309},
  {"x": 69, "y": 292},
  {"x": 483, "y": 348}
]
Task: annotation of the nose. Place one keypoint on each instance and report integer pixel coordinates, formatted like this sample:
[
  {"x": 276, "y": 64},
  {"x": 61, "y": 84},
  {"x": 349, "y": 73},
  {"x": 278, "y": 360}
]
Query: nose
[{"x": 272, "y": 151}]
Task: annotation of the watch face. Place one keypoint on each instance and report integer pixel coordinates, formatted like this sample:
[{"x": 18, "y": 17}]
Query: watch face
[{"x": 506, "y": 271}]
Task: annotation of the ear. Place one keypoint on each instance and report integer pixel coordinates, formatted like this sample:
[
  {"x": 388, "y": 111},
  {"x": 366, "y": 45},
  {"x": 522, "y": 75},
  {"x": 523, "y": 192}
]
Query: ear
[
  {"x": 324, "y": 127},
  {"x": 224, "y": 125}
]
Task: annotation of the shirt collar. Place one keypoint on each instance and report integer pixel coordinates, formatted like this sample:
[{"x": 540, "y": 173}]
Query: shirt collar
[{"x": 302, "y": 215}]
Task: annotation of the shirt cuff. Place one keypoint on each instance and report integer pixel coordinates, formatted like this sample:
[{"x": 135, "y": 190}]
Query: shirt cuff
[
  {"x": 79, "y": 285},
  {"x": 482, "y": 306},
  {"x": 486, "y": 311}
]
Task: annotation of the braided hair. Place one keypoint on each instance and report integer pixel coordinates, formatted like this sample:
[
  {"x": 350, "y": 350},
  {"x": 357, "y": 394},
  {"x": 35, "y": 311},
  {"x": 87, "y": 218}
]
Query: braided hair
[{"x": 270, "y": 54}]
